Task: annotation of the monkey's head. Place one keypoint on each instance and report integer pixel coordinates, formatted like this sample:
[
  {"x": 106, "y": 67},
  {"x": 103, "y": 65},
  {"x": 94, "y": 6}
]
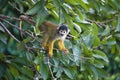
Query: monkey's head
[{"x": 63, "y": 30}]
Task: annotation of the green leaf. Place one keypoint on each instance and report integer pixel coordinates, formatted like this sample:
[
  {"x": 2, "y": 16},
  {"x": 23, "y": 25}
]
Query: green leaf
[
  {"x": 36, "y": 30},
  {"x": 36, "y": 8},
  {"x": 55, "y": 14},
  {"x": 81, "y": 16},
  {"x": 57, "y": 4},
  {"x": 116, "y": 4},
  {"x": 56, "y": 64},
  {"x": 117, "y": 35},
  {"x": 86, "y": 51},
  {"x": 9, "y": 75},
  {"x": 118, "y": 25},
  {"x": 37, "y": 60},
  {"x": 1, "y": 29},
  {"x": 113, "y": 49},
  {"x": 21, "y": 61},
  {"x": 13, "y": 70},
  {"x": 94, "y": 70},
  {"x": 27, "y": 72},
  {"x": 96, "y": 41},
  {"x": 68, "y": 9},
  {"x": 44, "y": 70},
  {"x": 29, "y": 3},
  {"x": 82, "y": 66},
  {"x": 100, "y": 55},
  {"x": 67, "y": 6},
  {"x": 21, "y": 45},
  {"x": 2, "y": 57},
  {"x": 22, "y": 77},
  {"x": 41, "y": 15},
  {"x": 88, "y": 39},
  {"x": 64, "y": 59},
  {"x": 68, "y": 44},
  {"x": 20, "y": 5},
  {"x": 83, "y": 4},
  {"x": 95, "y": 29},
  {"x": 76, "y": 52},
  {"x": 98, "y": 63},
  {"x": 111, "y": 41},
  {"x": 3, "y": 38},
  {"x": 68, "y": 73},
  {"x": 102, "y": 73},
  {"x": 106, "y": 31},
  {"x": 77, "y": 27},
  {"x": 29, "y": 56},
  {"x": 61, "y": 16},
  {"x": 73, "y": 2},
  {"x": 2, "y": 69},
  {"x": 59, "y": 72}
]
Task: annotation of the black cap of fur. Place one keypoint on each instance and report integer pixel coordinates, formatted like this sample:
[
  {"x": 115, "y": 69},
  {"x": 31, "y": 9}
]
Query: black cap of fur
[{"x": 63, "y": 27}]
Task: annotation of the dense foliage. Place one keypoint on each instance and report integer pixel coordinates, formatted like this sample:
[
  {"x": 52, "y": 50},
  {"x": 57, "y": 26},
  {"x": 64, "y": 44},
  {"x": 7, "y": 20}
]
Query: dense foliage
[{"x": 94, "y": 49}]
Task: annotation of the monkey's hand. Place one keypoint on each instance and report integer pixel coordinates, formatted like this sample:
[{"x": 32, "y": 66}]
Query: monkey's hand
[{"x": 65, "y": 51}]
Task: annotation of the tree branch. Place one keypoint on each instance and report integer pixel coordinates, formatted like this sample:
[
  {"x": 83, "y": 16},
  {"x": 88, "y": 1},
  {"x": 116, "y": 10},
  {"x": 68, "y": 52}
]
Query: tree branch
[
  {"x": 97, "y": 23},
  {"x": 20, "y": 29},
  {"x": 8, "y": 32},
  {"x": 50, "y": 69},
  {"x": 8, "y": 17},
  {"x": 103, "y": 23},
  {"x": 28, "y": 19}
]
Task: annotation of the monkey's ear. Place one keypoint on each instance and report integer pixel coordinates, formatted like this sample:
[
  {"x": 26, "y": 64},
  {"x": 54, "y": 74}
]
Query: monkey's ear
[
  {"x": 68, "y": 31},
  {"x": 58, "y": 27}
]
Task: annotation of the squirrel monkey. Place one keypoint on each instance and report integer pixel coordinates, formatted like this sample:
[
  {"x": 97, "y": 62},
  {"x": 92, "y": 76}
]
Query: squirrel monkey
[{"x": 51, "y": 33}]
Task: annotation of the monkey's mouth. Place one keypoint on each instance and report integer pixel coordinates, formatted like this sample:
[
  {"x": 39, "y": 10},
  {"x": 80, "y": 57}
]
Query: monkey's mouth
[{"x": 62, "y": 34}]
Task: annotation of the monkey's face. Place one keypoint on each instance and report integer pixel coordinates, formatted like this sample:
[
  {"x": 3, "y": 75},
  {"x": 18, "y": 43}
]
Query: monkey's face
[{"x": 63, "y": 30}]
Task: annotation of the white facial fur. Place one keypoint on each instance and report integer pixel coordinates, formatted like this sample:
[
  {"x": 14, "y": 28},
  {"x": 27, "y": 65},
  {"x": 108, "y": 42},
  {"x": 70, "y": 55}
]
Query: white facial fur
[{"x": 64, "y": 34}]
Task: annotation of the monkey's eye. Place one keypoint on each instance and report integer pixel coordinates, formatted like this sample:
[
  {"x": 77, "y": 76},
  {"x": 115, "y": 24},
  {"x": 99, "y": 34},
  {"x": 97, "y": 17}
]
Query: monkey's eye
[
  {"x": 64, "y": 32},
  {"x": 61, "y": 31}
]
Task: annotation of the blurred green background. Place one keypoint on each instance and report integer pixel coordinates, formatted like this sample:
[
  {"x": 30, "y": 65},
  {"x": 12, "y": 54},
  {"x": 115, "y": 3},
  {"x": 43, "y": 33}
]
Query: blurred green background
[{"x": 94, "y": 48}]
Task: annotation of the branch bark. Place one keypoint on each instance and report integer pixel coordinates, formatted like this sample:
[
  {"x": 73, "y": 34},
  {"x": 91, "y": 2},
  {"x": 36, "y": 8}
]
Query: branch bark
[{"x": 4, "y": 27}]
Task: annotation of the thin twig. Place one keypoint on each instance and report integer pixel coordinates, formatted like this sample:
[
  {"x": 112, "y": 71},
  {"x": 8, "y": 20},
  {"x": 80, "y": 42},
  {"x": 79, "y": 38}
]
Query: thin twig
[
  {"x": 107, "y": 21},
  {"x": 28, "y": 19},
  {"x": 8, "y": 17},
  {"x": 97, "y": 23},
  {"x": 103, "y": 22},
  {"x": 15, "y": 7},
  {"x": 31, "y": 48},
  {"x": 50, "y": 69},
  {"x": 9, "y": 32},
  {"x": 20, "y": 29}
]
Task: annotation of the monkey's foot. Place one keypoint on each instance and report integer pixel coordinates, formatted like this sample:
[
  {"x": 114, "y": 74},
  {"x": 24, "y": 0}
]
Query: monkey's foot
[
  {"x": 45, "y": 47},
  {"x": 65, "y": 51},
  {"x": 50, "y": 54}
]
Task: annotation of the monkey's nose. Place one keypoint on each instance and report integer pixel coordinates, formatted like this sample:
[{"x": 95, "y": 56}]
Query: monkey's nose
[{"x": 62, "y": 34}]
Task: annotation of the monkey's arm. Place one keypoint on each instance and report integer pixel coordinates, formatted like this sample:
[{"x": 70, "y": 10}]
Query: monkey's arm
[
  {"x": 62, "y": 46},
  {"x": 45, "y": 41},
  {"x": 50, "y": 48}
]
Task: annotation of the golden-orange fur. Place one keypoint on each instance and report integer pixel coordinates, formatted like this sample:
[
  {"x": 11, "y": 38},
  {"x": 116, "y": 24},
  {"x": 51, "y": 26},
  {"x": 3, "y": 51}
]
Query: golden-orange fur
[{"x": 50, "y": 35}]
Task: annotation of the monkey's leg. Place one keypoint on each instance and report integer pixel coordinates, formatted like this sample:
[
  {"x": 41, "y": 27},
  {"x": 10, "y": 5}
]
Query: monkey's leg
[
  {"x": 45, "y": 40},
  {"x": 50, "y": 48},
  {"x": 62, "y": 46}
]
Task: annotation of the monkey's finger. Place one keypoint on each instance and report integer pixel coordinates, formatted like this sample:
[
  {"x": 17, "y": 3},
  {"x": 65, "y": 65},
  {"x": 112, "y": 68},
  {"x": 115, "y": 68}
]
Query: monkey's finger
[{"x": 66, "y": 51}]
